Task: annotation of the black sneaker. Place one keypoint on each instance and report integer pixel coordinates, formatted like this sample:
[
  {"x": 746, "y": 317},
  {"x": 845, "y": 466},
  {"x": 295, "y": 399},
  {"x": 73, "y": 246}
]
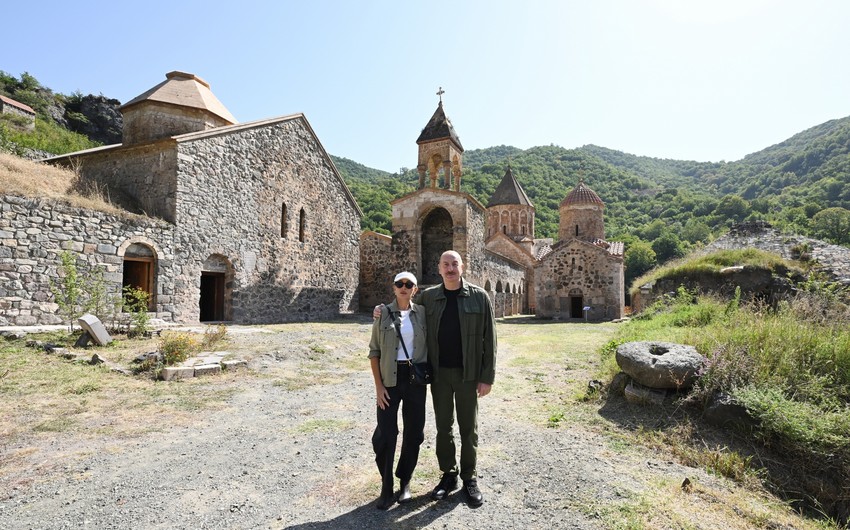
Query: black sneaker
[
  {"x": 473, "y": 494},
  {"x": 447, "y": 485}
]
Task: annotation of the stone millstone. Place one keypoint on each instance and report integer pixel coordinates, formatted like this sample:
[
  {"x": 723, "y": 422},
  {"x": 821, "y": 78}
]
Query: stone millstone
[{"x": 660, "y": 364}]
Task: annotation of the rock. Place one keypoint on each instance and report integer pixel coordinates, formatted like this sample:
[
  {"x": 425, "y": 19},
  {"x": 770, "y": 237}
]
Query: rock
[
  {"x": 148, "y": 356},
  {"x": 234, "y": 364},
  {"x": 13, "y": 335},
  {"x": 83, "y": 341},
  {"x": 94, "y": 327},
  {"x": 724, "y": 411},
  {"x": 97, "y": 359},
  {"x": 619, "y": 383},
  {"x": 207, "y": 369},
  {"x": 660, "y": 364},
  {"x": 643, "y": 395},
  {"x": 170, "y": 373}
]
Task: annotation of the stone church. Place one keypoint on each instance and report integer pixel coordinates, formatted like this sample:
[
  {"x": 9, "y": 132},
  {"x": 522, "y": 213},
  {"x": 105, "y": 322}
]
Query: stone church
[
  {"x": 579, "y": 276},
  {"x": 247, "y": 222}
]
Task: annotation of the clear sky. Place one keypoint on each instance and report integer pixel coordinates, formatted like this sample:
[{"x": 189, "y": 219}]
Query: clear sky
[{"x": 704, "y": 80}]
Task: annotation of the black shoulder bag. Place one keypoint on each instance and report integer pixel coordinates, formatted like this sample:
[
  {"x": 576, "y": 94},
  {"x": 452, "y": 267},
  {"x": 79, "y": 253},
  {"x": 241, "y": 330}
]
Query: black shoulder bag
[{"x": 420, "y": 373}]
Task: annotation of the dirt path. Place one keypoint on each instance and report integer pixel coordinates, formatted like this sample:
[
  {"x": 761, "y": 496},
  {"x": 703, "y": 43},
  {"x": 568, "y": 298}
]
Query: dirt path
[{"x": 290, "y": 448}]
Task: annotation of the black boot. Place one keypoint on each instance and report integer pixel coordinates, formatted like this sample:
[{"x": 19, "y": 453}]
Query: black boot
[{"x": 404, "y": 495}]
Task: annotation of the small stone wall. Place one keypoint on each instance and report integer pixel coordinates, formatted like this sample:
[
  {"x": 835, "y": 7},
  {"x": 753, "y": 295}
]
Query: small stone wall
[
  {"x": 34, "y": 232},
  {"x": 833, "y": 259}
]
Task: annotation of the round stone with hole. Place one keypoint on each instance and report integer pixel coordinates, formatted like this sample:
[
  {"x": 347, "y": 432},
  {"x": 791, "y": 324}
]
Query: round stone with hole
[{"x": 660, "y": 364}]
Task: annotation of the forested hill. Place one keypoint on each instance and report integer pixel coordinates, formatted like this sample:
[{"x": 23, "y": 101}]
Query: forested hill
[
  {"x": 786, "y": 184},
  {"x": 661, "y": 208}
]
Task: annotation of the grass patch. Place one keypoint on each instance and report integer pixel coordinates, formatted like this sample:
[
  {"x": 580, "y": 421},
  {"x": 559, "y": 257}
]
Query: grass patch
[
  {"x": 325, "y": 425},
  {"x": 711, "y": 264}
]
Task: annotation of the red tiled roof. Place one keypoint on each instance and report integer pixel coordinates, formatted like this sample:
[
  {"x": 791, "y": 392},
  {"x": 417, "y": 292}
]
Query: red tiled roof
[{"x": 10, "y": 101}]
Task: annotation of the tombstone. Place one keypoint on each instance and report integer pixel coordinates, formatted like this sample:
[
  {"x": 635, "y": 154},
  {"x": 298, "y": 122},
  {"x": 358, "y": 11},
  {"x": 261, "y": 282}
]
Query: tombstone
[{"x": 94, "y": 327}]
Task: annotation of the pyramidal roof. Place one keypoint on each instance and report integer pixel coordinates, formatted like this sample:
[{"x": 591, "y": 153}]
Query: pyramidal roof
[
  {"x": 581, "y": 194},
  {"x": 438, "y": 128},
  {"x": 509, "y": 192},
  {"x": 185, "y": 90}
]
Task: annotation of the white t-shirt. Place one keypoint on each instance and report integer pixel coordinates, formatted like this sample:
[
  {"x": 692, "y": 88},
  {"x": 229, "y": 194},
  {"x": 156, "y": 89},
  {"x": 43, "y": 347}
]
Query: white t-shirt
[{"x": 407, "y": 335}]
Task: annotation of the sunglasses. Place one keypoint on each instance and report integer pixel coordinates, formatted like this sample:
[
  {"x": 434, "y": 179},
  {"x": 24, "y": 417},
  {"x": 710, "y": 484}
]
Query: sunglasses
[{"x": 409, "y": 284}]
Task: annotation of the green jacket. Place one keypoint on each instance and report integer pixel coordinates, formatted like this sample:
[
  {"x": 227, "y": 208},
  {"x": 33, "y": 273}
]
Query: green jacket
[
  {"x": 477, "y": 326},
  {"x": 384, "y": 343}
]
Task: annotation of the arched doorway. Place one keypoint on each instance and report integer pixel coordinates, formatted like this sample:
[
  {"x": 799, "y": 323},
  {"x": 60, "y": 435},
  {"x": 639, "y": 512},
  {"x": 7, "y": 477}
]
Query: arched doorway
[
  {"x": 437, "y": 237},
  {"x": 576, "y": 303},
  {"x": 140, "y": 271}
]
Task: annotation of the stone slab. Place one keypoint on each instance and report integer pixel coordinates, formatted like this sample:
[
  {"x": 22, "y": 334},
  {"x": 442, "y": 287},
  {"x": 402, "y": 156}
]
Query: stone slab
[
  {"x": 234, "y": 364},
  {"x": 207, "y": 369},
  {"x": 171, "y": 373},
  {"x": 94, "y": 327}
]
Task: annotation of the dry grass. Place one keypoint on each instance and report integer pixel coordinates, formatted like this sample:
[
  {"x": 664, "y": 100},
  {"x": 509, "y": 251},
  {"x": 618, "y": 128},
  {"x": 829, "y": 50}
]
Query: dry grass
[{"x": 26, "y": 178}]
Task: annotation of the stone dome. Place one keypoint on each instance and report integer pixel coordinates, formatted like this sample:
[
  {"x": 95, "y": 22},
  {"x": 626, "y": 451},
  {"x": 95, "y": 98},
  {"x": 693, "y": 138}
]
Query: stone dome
[{"x": 581, "y": 194}]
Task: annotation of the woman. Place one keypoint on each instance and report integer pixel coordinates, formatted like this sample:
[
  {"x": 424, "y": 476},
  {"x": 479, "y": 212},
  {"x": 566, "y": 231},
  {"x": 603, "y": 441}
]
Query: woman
[{"x": 391, "y": 371}]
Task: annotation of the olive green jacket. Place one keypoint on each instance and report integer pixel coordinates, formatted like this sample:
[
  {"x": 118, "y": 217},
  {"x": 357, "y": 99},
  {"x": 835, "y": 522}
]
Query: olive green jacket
[
  {"x": 384, "y": 343},
  {"x": 477, "y": 327}
]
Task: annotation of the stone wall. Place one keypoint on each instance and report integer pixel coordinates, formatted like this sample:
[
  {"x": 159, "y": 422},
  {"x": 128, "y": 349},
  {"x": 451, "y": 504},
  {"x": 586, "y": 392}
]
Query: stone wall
[
  {"x": 141, "y": 179},
  {"x": 34, "y": 232},
  {"x": 505, "y": 282},
  {"x": 377, "y": 269},
  {"x": 834, "y": 260},
  {"x": 266, "y": 197},
  {"x": 150, "y": 120},
  {"x": 577, "y": 268}
]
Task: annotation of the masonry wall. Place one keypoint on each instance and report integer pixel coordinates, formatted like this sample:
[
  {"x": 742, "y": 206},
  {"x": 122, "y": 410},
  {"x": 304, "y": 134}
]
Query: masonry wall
[
  {"x": 579, "y": 267},
  {"x": 232, "y": 189},
  {"x": 377, "y": 270},
  {"x": 139, "y": 178},
  {"x": 506, "y": 283},
  {"x": 34, "y": 232}
]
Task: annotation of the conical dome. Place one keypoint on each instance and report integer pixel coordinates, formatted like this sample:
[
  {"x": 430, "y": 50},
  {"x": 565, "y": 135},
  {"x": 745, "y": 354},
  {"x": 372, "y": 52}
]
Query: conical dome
[{"x": 581, "y": 194}]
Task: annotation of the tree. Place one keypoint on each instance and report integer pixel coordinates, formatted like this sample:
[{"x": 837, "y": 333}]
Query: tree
[
  {"x": 68, "y": 290},
  {"x": 638, "y": 260},
  {"x": 668, "y": 246},
  {"x": 832, "y": 224},
  {"x": 733, "y": 207}
]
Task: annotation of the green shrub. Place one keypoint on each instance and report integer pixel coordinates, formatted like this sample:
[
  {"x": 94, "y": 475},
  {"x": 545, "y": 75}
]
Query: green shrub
[
  {"x": 136, "y": 302},
  {"x": 177, "y": 347}
]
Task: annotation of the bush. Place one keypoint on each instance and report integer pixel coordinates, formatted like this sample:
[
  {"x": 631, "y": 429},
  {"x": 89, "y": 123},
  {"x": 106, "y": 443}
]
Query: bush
[{"x": 177, "y": 347}]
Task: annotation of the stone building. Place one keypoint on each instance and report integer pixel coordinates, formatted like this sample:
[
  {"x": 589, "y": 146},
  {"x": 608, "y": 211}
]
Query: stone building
[
  {"x": 522, "y": 273},
  {"x": 582, "y": 275},
  {"x": 257, "y": 224},
  {"x": 24, "y": 112}
]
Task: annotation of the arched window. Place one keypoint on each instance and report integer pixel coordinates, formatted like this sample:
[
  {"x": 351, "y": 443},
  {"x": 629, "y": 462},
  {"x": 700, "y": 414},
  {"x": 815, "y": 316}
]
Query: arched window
[
  {"x": 302, "y": 222},
  {"x": 576, "y": 230},
  {"x": 487, "y": 286},
  {"x": 504, "y": 229},
  {"x": 283, "y": 220}
]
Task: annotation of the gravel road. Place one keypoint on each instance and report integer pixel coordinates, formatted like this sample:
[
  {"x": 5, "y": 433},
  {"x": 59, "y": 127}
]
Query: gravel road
[{"x": 290, "y": 448}]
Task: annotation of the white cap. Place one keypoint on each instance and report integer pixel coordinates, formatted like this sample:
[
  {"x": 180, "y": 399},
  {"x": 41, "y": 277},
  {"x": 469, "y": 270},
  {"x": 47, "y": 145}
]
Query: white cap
[{"x": 406, "y": 276}]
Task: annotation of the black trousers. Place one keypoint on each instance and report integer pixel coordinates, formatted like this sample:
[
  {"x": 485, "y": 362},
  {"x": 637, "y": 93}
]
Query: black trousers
[{"x": 412, "y": 400}]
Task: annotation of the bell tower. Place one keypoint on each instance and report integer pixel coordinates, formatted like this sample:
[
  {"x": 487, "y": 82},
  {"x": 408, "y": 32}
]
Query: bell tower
[{"x": 440, "y": 152}]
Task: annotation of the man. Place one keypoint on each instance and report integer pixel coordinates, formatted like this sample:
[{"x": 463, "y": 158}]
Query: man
[{"x": 461, "y": 342}]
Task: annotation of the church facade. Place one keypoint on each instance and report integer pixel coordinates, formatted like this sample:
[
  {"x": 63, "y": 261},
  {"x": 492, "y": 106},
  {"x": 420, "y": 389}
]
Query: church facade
[{"x": 581, "y": 276}]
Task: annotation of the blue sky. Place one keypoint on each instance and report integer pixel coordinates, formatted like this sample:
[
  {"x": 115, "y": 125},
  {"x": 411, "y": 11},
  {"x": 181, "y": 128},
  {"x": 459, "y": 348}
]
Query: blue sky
[{"x": 686, "y": 79}]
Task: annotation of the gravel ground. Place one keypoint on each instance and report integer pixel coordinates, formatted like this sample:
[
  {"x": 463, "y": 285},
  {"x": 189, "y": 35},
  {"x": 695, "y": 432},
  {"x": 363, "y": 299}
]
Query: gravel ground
[{"x": 278, "y": 456}]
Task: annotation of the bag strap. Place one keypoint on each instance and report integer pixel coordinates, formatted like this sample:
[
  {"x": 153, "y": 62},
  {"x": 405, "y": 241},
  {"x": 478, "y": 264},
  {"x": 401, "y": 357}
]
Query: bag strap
[{"x": 397, "y": 326}]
